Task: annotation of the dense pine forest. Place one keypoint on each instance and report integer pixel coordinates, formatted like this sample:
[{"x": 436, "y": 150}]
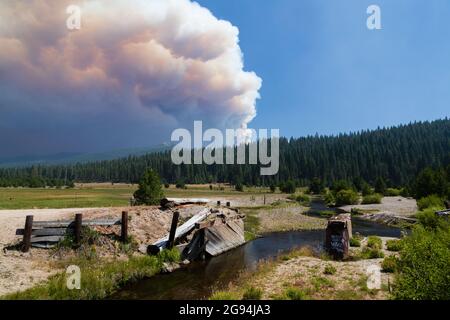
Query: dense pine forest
[{"x": 396, "y": 154}]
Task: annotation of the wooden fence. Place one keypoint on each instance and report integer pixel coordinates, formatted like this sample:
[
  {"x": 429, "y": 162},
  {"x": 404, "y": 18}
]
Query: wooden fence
[{"x": 44, "y": 234}]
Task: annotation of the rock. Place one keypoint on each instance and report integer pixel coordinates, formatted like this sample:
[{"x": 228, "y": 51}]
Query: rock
[
  {"x": 169, "y": 267},
  {"x": 143, "y": 249},
  {"x": 185, "y": 262}
]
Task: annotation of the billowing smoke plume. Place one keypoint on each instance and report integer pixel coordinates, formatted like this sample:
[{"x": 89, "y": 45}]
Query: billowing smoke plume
[{"x": 135, "y": 70}]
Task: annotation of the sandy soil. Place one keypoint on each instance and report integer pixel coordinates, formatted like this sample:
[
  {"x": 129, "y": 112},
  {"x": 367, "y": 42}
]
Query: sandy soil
[
  {"x": 19, "y": 271},
  {"x": 396, "y": 206},
  {"x": 288, "y": 218},
  {"x": 306, "y": 273}
]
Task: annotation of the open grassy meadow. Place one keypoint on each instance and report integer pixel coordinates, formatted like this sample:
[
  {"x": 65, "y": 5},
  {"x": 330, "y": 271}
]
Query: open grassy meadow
[{"x": 104, "y": 195}]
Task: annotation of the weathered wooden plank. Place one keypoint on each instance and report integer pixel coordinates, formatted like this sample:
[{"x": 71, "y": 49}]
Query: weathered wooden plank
[
  {"x": 47, "y": 239},
  {"x": 180, "y": 201},
  {"x": 46, "y": 232},
  {"x": 66, "y": 224},
  {"x": 43, "y": 245},
  {"x": 224, "y": 237},
  {"x": 185, "y": 228}
]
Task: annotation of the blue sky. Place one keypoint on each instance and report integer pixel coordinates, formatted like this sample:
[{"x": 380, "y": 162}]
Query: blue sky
[
  {"x": 324, "y": 71},
  {"x": 137, "y": 70}
]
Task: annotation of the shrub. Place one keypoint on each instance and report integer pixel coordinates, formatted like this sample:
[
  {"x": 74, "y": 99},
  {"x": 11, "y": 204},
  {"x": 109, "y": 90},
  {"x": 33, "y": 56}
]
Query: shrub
[
  {"x": 288, "y": 187},
  {"x": 316, "y": 186},
  {"x": 380, "y": 186},
  {"x": 223, "y": 295},
  {"x": 389, "y": 264},
  {"x": 372, "y": 199},
  {"x": 370, "y": 253},
  {"x": 303, "y": 199},
  {"x": 374, "y": 242},
  {"x": 273, "y": 188},
  {"x": 423, "y": 266},
  {"x": 252, "y": 293},
  {"x": 166, "y": 185},
  {"x": 329, "y": 199},
  {"x": 354, "y": 242},
  {"x": 295, "y": 294},
  {"x": 392, "y": 192},
  {"x": 346, "y": 197},
  {"x": 180, "y": 185},
  {"x": 239, "y": 187},
  {"x": 432, "y": 201},
  {"x": 149, "y": 191},
  {"x": 429, "y": 219},
  {"x": 394, "y": 245},
  {"x": 366, "y": 189},
  {"x": 329, "y": 269}
]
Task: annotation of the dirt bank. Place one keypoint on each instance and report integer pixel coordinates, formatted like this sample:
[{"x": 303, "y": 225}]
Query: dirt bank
[{"x": 19, "y": 271}]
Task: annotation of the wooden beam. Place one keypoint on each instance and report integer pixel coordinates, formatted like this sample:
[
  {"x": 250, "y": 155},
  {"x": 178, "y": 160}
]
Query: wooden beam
[
  {"x": 46, "y": 232},
  {"x": 77, "y": 227},
  {"x": 26, "y": 243},
  {"x": 46, "y": 239},
  {"x": 70, "y": 224},
  {"x": 173, "y": 230},
  {"x": 124, "y": 227}
]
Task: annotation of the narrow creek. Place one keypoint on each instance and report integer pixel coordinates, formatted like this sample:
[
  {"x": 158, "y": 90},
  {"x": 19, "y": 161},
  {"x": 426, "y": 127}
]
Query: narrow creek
[{"x": 199, "y": 279}]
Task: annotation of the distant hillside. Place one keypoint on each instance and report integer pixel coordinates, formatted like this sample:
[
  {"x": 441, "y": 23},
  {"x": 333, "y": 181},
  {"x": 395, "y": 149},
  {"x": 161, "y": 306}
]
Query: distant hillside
[
  {"x": 397, "y": 154},
  {"x": 73, "y": 158}
]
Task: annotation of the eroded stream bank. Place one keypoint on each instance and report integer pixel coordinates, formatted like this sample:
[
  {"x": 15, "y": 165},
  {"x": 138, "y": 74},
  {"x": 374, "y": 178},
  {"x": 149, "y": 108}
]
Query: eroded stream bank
[{"x": 199, "y": 279}]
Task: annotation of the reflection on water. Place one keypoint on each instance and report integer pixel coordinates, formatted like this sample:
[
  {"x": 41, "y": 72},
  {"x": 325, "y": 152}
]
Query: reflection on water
[{"x": 199, "y": 279}]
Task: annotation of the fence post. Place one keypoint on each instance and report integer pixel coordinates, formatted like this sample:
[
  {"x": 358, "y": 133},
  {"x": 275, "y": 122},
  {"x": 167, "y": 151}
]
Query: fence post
[
  {"x": 173, "y": 229},
  {"x": 78, "y": 225},
  {"x": 124, "y": 227},
  {"x": 27, "y": 234},
  {"x": 218, "y": 203},
  {"x": 228, "y": 204}
]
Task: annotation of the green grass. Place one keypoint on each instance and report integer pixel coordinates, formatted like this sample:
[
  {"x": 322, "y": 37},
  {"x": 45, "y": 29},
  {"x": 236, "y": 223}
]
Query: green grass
[
  {"x": 355, "y": 243},
  {"x": 99, "y": 279},
  {"x": 252, "y": 293},
  {"x": 329, "y": 270},
  {"x": 374, "y": 242},
  {"x": 224, "y": 295},
  {"x": 394, "y": 245},
  {"x": 102, "y": 195}
]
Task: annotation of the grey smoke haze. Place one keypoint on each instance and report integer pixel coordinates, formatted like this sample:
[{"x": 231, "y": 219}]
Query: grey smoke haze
[{"x": 135, "y": 71}]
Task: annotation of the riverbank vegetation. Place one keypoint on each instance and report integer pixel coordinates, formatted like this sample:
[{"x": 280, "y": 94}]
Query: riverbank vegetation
[{"x": 99, "y": 278}]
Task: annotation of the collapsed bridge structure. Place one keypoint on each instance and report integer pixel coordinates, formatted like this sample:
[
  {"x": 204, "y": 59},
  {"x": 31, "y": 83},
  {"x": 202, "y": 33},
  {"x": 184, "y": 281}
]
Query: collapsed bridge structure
[{"x": 209, "y": 233}]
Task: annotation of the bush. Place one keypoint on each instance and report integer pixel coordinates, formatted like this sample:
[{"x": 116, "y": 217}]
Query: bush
[
  {"x": 329, "y": 199},
  {"x": 423, "y": 266},
  {"x": 366, "y": 189},
  {"x": 239, "y": 187},
  {"x": 181, "y": 185},
  {"x": 149, "y": 191},
  {"x": 252, "y": 293},
  {"x": 288, "y": 187},
  {"x": 380, "y": 186},
  {"x": 374, "y": 242},
  {"x": 432, "y": 201},
  {"x": 295, "y": 294},
  {"x": 370, "y": 253},
  {"x": 429, "y": 219},
  {"x": 389, "y": 264},
  {"x": 394, "y": 245},
  {"x": 166, "y": 185},
  {"x": 392, "y": 192},
  {"x": 372, "y": 199},
  {"x": 303, "y": 199},
  {"x": 223, "y": 295},
  {"x": 354, "y": 242},
  {"x": 316, "y": 186},
  {"x": 346, "y": 197},
  {"x": 329, "y": 269},
  {"x": 273, "y": 188}
]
